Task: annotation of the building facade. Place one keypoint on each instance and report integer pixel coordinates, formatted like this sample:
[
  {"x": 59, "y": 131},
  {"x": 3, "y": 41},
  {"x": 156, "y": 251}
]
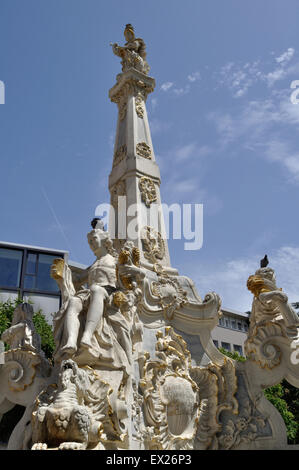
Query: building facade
[
  {"x": 231, "y": 331},
  {"x": 25, "y": 273}
]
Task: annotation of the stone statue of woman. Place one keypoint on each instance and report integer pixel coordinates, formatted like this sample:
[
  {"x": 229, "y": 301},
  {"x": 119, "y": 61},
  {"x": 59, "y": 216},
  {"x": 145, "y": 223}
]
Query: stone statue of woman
[{"x": 132, "y": 53}]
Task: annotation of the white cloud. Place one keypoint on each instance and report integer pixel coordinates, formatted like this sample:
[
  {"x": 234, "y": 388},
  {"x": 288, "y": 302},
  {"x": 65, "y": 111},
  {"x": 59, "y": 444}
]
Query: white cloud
[
  {"x": 240, "y": 77},
  {"x": 190, "y": 151},
  {"x": 286, "y": 56},
  {"x": 281, "y": 72},
  {"x": 276, "y": 75},
  {"x": 182, "y": 91},
  {"x": 185, "y": 152},
  {"x": 256, "y": 125},
  {"x": 154, "y": 103},
  {"x": 229, "y": 278},
  {"x": 279, "y": 151},
  {"x": 193, "y": 77},
  {"x": 157, "y": 126},
  {"x": 166, "y": 86}
]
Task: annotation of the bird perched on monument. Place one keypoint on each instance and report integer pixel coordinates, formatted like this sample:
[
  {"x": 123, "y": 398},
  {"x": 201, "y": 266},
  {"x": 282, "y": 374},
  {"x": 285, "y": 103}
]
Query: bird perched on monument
[{"x": 264, "y": 262}]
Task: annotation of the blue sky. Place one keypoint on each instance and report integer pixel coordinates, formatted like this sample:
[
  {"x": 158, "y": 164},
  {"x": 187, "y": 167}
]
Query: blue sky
[{"x": 224, "y": 130}]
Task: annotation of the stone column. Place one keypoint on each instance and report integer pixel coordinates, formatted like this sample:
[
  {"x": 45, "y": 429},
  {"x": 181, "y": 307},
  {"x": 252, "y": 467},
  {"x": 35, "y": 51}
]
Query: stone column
[{"x": 134, "y": 181}]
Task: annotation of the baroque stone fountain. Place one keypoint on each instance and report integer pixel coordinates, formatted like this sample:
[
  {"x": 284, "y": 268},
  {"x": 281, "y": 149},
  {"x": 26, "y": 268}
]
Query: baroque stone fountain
[{"x": 135, "y": 366}]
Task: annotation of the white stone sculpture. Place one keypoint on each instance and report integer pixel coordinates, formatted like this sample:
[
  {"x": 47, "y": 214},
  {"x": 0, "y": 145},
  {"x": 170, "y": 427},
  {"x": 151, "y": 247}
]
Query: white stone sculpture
[
  {"x": 274, "y": 329},
  {"x": 76, "y": 414},
  {"x": 133, "y": 52},
  {"x": 21, "y": 333},
  {"x": 24, "y": 372},
  {"x": 135, "y": 366},
  {"x": 100, "y": 278}
]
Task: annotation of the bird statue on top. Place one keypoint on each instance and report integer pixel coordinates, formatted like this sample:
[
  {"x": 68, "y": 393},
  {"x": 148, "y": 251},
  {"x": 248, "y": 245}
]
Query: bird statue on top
[{"x": 133, "y": 53}]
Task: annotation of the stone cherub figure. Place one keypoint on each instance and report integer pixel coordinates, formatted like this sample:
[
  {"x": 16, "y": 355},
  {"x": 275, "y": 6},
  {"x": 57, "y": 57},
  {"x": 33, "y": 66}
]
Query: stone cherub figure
[
  {"x": 100, "y": 279},
  {"x": 132, "y": 53}
]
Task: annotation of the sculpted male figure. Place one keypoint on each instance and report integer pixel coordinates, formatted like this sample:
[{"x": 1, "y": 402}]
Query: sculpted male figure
[{"x": 100, "y": 278}]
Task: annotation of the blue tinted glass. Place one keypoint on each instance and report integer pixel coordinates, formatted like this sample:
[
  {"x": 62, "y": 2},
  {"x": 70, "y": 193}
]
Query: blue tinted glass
[
  {"x": 29, "y": 282},
  {"x": 44, "y": 281},
  {"x": 31, "y": 263},
  {"x": 10, "y": 267}
]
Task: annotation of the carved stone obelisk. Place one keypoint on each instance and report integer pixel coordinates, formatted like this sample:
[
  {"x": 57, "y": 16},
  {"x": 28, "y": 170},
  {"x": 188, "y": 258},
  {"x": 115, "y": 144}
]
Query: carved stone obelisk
[{"x": 135, "y": 178}]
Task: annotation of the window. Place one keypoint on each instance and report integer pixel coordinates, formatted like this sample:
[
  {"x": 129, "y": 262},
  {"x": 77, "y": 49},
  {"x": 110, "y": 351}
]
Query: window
[
  {"x": 227, "y": 323},
  {"x": 245, "y": 327},
  {"x": 221, "y": 321},
  {"x": 238, "y": 349},
  {"x": 37, "y": 276},
  {"x": 226, "y": 346},
  {"x": 215, "y": 342},
  {"x": 10, "y": 267},
  {"x": 239, "y": 326},
  {"x": 234, "y": 324}
]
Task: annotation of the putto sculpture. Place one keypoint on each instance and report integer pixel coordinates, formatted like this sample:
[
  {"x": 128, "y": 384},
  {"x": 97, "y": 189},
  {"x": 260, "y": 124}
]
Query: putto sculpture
[{"x": 135, "y": 366}]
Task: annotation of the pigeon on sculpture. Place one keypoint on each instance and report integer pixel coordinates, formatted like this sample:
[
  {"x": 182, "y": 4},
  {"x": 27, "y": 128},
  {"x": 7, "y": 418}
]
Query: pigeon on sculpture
[
  {"x": 97, "y": 223},
  {"x": 264, "y": 262}
]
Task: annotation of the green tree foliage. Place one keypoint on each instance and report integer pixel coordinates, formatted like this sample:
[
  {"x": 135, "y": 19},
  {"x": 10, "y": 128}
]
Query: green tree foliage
[
  {"x": 278, "y": 397},
  {"x": 285, "y": 398},
  {"x": 233, "y": 355},
  {"x": 42, "y": 327}
]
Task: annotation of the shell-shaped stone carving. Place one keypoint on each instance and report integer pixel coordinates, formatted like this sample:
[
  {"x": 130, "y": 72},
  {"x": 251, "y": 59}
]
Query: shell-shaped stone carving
[
  {"x": 262, "y": 346},
  {"x": 20, "y": 367}
]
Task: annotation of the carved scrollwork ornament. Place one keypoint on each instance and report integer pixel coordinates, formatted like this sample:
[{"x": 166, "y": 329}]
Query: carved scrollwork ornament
[
  {"x": 147, "y": 190},
  {"x": 153, "y": 244},
  {"x": 131, "y": 87},
  {"x": 261, "y": 346},
  {"x": 170, "y": 395},
  {"x": 170, "y": 293},
  {"x": 119, "y": 189},
  {"x": 139, "y": 106},
  {"x": 21, "y": 367},
  {"x": 119, "y": 155},
  {"x": 122, "y": 108},
  {"x": 144, "y": 150}
]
